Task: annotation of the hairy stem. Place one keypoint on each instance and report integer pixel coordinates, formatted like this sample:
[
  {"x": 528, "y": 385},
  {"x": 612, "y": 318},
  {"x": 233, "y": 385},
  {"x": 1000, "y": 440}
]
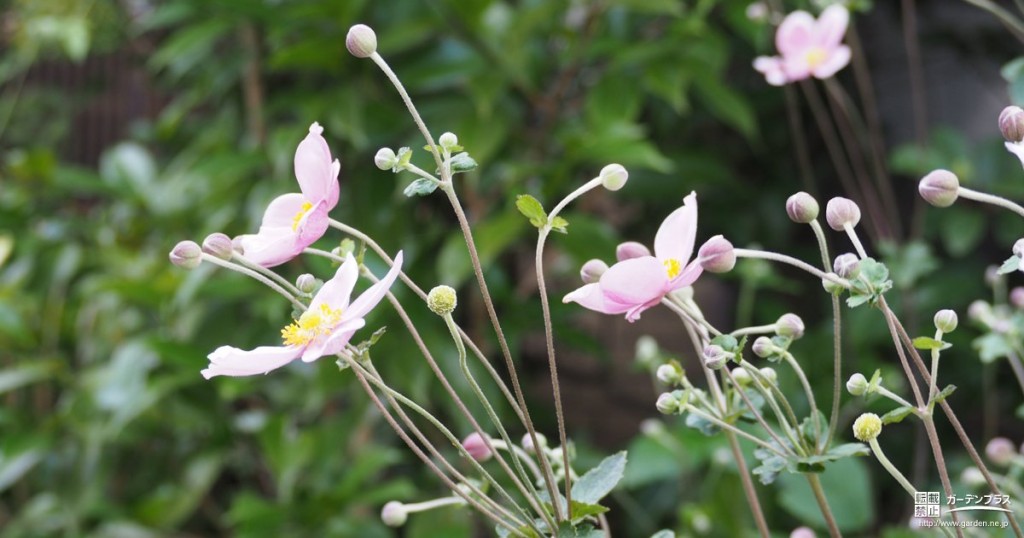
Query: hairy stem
[{"x": 826, "y": 510}]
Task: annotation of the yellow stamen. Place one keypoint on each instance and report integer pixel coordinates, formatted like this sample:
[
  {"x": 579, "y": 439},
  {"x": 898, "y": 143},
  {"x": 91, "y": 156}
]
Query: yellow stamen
[
  {"x": 672, "y": 267},
  {"x": 310, "y": 325},
  {"x": 298, "y": 216},
  {"x": 815, "y": 57}
]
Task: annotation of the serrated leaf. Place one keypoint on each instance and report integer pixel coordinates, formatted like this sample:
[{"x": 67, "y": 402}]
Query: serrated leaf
[
  {"x": 700, "y": 424},
  {"x": 404, "y": 156},
  {"x": 581, "y": 510},
  {"x": 599, "y": 481},
  {"x": 532, "y": 210},
  {"x": 726, "y": 341},
  {"x": 928, "y": 344},
  {"x": 897, "y": 415},
  {"x": 462, "y": 162},
  {"x": 1009, "y": 265},
  {"x": 558, "y": 224},
  {"x": 856, "y": 300},
  {"x": 942, "y": 395},
  {"x": 875, "y": 381},
  {"x": 420, "y": 187}
]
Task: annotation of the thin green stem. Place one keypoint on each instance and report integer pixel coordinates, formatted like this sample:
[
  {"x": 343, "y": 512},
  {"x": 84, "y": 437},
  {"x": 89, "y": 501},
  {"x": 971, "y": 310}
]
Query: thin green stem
[
  {"x": 992, "y": 199},
  {"x": 857, "y": 245},
  {"x": 782, "y": 258},
  {"x": 726, "y": 426},
  {"x": 932, "y": 384},
  {"x": 280, "y": 280},
  {"x": 377, "y": 59},
  {"x": 430, "y": 505},
  {"x": 757, "y": 415},
  {"x": 837, "y": 336},
  {"x": 254, "y": 275},
  {"x": 759, "y": 329},
  {"x": 748, "y": 485},
  {"x": 895, "y": 397},
  {"x": 826, "y": 510},
  {"x": 893, "y": 471},
  {"x": 787, "y": 420},
  {"x": 810, "y": 398}
]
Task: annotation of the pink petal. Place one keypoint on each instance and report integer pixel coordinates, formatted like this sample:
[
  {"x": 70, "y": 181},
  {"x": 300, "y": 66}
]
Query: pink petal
[
  {"x": 231, "y": 361},
  {"x": 313, "y": 224},
  {"x": 591, "y": 297},
  {"x": 678, "y": 232},
  {"x": 634, "y": 313},
  {"x": 316, "y": 173},
  {"x": 373, "y": 295},
  {"x": 771, "y": 68},
  {"x": 281, "y": 211},
  {"x": 1016, "y": 149},
  {"x": 837, "y": 60},
  {"x": 270, "y": 247},
  {"x": 334, "y": 342},
  {"x": 795, "y": 33},
  {"x": 831, "y": 26},
  {"x": 634, "y": 282},
  {"x": 687, "y": 276},
  {"x": 796, "y": 67},
  {"x": 335, "y": 292}
]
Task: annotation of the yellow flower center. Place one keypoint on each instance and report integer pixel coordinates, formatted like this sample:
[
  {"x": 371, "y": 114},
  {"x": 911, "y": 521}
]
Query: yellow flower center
[
  {"x": 298, "y": 216},
  {"x": 672, "y": 267},
  {"x": 310, "y": 325},
  {"x": 815, "y": 57}
]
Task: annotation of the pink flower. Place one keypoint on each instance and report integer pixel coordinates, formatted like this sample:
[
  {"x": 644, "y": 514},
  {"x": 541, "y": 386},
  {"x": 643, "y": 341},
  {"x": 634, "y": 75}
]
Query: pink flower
[
  {"x": 636, "y": 284},
  {"x": 294, "y": 221},
  {"x": 808, "y": 47},
  {"x": 323, "y": 329}
]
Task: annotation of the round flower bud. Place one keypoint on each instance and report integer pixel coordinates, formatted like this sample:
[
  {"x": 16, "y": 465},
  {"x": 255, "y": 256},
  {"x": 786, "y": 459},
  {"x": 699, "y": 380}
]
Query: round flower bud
[
  {"x": 477, "y": 447},
  {"x": 393, "y": 514},
  {"x": 992, "y": 276},
  {"x": 831, "y": 286},
  {"x": 769, "y": 375},
  {"x": 841, "y": 212},
  {"x": 790, "y": 325},
  {"x": 218, "y": 245},
  {"x": 946, "y": 320},
  {"x": 670, "y": 374},
  {"x": 717, "y": 255},
  {"x": 442, "y": 300},
  {"x": 715, "y": 357},
  {"x": 614, "y": 177},
  {"x": 867, "y": 427},
  {"x": 939, "y": 188},
  {"x": 847, "y": 265},
  {"x": 802, "y": 208},
  {"x": 186, "y": 254},
  {"x": 763, "y": 347},
  {"x": 741, "y": 376},
  {"x": 592, "y": 270},
  {"x": 1017, "y": 297},
  {"x": 1011, "y": 124},
  {"x": 385, "y": 159},
  {"x": 448, "y": 140},
  {"x": 1000, "y": 451},
  {"x": 979, "y": 311},
  {"x": 630, "y": 250},
  {"x": 757, "y": 12},
  {"x": 667, "y": 404},
  {"x": 972, "y": 477},
  {"x": 857, "y": 385},
  {"x": 802, "y": 532},
  {"x": 306, "y": 283},
  {"x": 361, "y": 41},
  {"x": 527, "y": 442}
]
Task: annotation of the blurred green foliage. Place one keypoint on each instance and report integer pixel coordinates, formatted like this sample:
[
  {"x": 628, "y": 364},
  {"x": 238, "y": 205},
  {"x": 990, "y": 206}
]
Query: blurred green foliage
[{"x": 107, "y": 427}]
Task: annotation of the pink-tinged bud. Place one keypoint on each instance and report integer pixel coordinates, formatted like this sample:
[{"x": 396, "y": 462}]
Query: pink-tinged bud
[
  {"x": 186, "y": 254},
  {"x": 630, "y": 250},
  {"x": 715, "y": 357},
  {"x": 307, "y": 283},
  {"x": 1000, "y": 451},
  {"x": 802, "y": 532},
  {"x": 527, "y": 442},
  {"x": 847, "y": 265},
  {"x": 717, "y": 255},
  {"x": 393, "y": 514},
  {"x": 361, "y": 41},
  {"x": 592, "y": 270},
  {"x": 790, "y": 325},
  {"x": 979, "y": 311},
  {"x": 946, "y": 320},
  {"x": 939, "y": 188},
  {"x": 667, "y": 404},
  {"x": 802, "y": 208},
  {"x": 763, "y": 347},
  {"x": 841, "y": 212},
  {"x": 218, "y": 245},
  {"x": 614, "y": 177},
  {"x": 477, "y": 447},
  {"x": 1011, "y": 123},
  {"x": 1017, "y": 297}
]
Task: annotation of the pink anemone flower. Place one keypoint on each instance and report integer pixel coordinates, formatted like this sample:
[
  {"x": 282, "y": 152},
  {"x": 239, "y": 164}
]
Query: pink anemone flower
[
  {"x": 636, "y": 284},
  {"x": 294, "y": 221},
  {"x": 808, "y": 47},
  {"x": 323, "y": 329}
]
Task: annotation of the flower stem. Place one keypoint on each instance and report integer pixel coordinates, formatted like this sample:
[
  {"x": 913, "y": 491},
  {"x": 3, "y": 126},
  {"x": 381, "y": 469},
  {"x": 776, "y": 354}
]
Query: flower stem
[
  {"x": 999, "y": 201},
  {"x": 242, "y": 260},
  {"x": 880, "y": 456},
  {"x": 759, "y": 329},
  {"x": 430, "y": 505},
  {"x": 837, "y": 337},
  {"x": 782, "y": 258},
  {"x": 379, "y": 60},
  {"x": 810, "y": 399},
  {"x": 254, "y": 275},
  {"x": 826, "y": 511}
]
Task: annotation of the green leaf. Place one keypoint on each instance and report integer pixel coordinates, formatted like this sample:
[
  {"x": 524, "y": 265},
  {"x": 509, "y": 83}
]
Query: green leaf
[
  {"x": 942, "y": 395},
  {"x": 559, "y": 224},
  {"x": 928, "y": 344},
  {"x": 599, "y": 481},
  {"x": 25, "y": 374},
  {"x": 420, "y": 187},
  {"x": 404, "y": 156},
  {"x": 582, "y": 510},
  {"x": 701, "y": 424},
  {"x": 531, "y": 209},
  {"x": 992, "y": 346},
  {"x": 854, "y": 301},
  {"x": 726, "y": 341},
  {"x": 1010, "y": 265},
  {"x": 897, "y": 415},
  {"x": 462, "y": 162},
  {"x": 875, "y": 381}
]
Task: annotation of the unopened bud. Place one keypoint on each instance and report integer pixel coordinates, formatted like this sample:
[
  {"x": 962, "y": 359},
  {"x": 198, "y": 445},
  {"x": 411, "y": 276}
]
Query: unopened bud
[
  {"x": 361, "y": 41},
  {"x": 841, "y": 212},
  {"x": 769, "y": 375},
  {"x": 1000, "y": 451},
  {"x": 667, "y": 404},
  {"x": 847, "y": 265},
  {"x": 717, "y": 255},
  {"x": 979, "y": 311},
  {"x": 802, "y": 532},
  {"x": 527, "y": 442},
  {"x": 670, "y": 374},
  {"x": 614, "y": 177},
  {"x": 186, "y": 254},
  {"x": 477, "y": 447},
  {"x": 393, "y": 514},
  {"x": 385, "y": 159},
  {"x": 218, "y": 245},
  {"x": 867, "y": 427},
  {"x": 1011, "y": 123},
  {"x": 832, "y": 286},
  {"x": 946, "y": 320},
  {"x": 442, "y": 300},
  {"x": 592, "y": 270},
  {"x": 763, "y": 347},
  {"x": 741, "y": 376},
  {"x": 802, "y": 208},
  {"x": 630, "y": 250},
  {"x": 715, "y": 357},
  {"x": 448, "y": 141},
  {"x": 790, "y": 325},
  {"x": 939, "y": 188},
  {"x": 972, "y": 477},
  {"x": 306, "y": 283},
  {"x": 857, "y": 385}
]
